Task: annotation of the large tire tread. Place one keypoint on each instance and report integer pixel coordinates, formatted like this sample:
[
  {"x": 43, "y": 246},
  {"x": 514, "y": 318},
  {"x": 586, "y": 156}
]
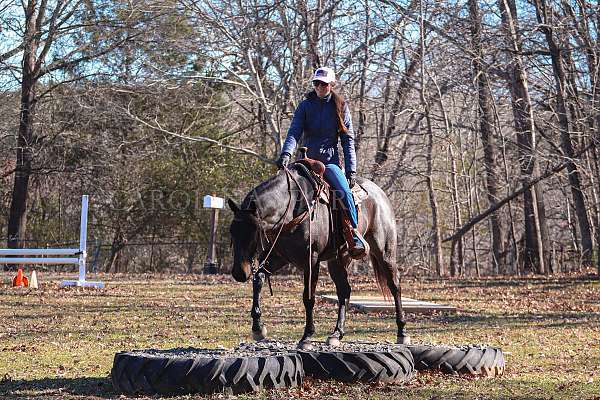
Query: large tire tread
[
  {"x": 390, "y": 367},
  {"x": 138, "y": 373},
  {"x": 468, "y": 360}
]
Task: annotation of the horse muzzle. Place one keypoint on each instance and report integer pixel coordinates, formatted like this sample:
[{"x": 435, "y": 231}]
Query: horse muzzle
[{"x": 241, "y": 272}]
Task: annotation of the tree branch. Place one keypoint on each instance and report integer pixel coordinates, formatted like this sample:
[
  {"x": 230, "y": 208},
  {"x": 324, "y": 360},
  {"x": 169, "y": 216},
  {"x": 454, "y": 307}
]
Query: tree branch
[
  {"x": 526, "y": 185},
  {"x": 156, "y": 126},
  {"x": 71, "y": 63}
]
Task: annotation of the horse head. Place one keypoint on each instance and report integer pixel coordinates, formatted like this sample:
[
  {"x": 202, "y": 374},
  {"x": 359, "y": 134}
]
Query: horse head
[
  {"x": 244, "y": 238},
  {"x": 278, "y": 197}
]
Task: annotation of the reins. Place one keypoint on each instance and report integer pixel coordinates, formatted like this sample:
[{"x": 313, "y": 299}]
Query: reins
[
  {"x": 262, "y": 267},
  {"x": 309, "y": 209}
]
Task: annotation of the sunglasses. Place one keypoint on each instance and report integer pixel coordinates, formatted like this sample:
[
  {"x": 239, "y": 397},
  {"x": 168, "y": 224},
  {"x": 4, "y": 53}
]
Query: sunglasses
[{"x": 319, "y": 83}]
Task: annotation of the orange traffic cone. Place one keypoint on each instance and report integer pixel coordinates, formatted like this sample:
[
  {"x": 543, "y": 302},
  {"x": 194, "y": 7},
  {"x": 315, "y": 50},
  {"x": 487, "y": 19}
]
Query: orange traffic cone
[{"x": 20, "y": 280}]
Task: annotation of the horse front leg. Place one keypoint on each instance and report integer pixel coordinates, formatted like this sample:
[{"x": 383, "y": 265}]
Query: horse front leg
[
  {"x": 311, "y": 277},
  {"x": 339, "y": 275},
  {"x": 259, "y": 332}
]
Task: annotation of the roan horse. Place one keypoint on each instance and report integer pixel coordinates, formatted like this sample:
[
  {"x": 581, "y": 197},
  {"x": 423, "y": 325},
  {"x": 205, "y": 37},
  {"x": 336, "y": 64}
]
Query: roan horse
[{"x": 265, "y": 238}]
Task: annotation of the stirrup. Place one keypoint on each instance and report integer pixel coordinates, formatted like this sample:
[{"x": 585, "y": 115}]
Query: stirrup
[{"x": 355, "y": 252}]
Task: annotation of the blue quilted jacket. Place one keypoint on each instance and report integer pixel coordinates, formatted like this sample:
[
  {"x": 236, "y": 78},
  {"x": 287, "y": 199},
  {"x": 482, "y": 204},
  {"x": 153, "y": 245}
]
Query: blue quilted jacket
[{"x": 315, "y": 122}]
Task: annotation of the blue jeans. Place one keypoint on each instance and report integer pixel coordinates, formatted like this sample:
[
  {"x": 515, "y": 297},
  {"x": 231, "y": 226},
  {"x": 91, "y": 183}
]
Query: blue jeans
[{"x": 336, "y": 178}]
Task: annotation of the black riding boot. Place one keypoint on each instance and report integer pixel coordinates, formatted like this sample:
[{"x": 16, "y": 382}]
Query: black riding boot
[{"x": 360, "y": 246}]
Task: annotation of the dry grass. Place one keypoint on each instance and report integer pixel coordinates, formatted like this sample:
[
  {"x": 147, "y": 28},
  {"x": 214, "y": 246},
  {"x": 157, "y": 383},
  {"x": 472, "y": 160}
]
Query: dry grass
[{"x": 59, "y": 343}]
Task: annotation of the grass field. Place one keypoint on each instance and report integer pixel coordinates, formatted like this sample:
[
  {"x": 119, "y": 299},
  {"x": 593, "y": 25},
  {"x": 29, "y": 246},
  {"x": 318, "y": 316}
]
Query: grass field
[{"x": 59, "y": 343}]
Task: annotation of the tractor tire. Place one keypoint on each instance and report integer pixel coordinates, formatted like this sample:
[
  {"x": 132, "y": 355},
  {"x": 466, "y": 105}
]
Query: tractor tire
[
  {"x": 359, "y": 366},
  {"x": 169, "y": 373},
  {"x": 471, "y": 360}
]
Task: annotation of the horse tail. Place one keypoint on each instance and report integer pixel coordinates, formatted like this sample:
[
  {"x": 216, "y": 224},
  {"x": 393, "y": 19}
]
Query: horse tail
[{"x": 381, "y": 277}]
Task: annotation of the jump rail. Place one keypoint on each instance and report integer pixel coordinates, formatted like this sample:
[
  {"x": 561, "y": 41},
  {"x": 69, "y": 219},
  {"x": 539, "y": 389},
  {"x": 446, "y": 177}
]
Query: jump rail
[{"x": 78, "y": 256}]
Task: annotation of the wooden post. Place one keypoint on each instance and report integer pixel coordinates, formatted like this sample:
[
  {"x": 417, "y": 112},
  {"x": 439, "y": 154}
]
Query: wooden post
[
  {"x": 214, "y": 203},
  {"x": 211, "y": 260}
]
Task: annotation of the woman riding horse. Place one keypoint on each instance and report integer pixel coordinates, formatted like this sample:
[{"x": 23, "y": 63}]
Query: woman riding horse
[
  {"x": 282, "y": 220},
  {"x": 320, "y": 120}
]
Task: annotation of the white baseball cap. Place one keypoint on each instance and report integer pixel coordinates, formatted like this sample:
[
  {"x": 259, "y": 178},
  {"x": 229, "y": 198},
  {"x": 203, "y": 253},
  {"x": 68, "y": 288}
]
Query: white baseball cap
[{"x": 324, "y": 74}]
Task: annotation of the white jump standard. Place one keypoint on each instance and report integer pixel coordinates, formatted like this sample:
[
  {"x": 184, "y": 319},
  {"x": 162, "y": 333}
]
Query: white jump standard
[{"x": 78, "y": 256}]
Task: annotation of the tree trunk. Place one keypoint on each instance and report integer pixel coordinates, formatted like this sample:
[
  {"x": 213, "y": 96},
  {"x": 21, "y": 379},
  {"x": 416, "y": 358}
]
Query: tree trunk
[
  {"x": 17, "y": 217},
  {"x": 433, "y": 203},
  {"x": 588, "y": 41},
  {"x": 486, "y": 130},
  {"x": 541, "y": 229},
  {"x": 436, "y": 235},
  {"x": 192, "y": 251},
  {"x": 401, "y": 95},
  {"x": 596, "y": 173},
  {"x": 116, "y": 246},
  {"x": 573, "y": 174},
  {"x": 536, "y": 238},
  {"x": 362, "y": 116},
  {"x": 477, "y": 207},
  {"x": 311, "y": 22},
  {"x": 457, "y": 253},
  {"x": 457, "y": 250}
]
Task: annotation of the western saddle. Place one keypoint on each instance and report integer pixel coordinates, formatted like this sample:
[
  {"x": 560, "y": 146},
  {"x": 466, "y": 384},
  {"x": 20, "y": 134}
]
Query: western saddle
[{"x": 314, "y": 171}]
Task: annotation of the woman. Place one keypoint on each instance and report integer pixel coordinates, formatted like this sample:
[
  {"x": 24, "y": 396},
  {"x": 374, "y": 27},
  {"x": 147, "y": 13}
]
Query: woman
[{"x": 320, "y": 120}]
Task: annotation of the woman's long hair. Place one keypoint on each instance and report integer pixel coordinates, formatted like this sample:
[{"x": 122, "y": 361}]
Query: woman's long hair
[{"x": 340, "y": 104}]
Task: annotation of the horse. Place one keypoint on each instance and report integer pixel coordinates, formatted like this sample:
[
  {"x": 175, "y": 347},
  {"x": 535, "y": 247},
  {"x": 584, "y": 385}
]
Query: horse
[{"x": 283, "y": 220}]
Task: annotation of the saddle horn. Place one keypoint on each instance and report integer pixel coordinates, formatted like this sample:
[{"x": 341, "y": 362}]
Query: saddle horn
[{"x": 303, "y": 150}]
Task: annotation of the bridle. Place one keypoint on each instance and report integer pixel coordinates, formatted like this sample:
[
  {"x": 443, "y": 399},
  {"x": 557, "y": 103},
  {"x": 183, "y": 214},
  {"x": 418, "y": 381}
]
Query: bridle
[{"x": 270, "y": 237}]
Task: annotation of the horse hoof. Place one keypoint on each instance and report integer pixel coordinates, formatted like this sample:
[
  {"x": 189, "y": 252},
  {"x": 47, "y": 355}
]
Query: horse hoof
[
  {"x": 403, "y": 340},
  {"x": 306, "y": 345},
  {"x": 333, "y": 341},
  {"x": 259, "y": 335}
]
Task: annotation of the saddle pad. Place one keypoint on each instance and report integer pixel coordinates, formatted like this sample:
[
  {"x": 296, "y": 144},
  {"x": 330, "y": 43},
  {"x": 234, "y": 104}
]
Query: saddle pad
[{"x": 359, "y": 193}]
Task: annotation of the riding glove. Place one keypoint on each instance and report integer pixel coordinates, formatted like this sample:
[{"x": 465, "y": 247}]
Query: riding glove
[
  {"x": 351, "y": 177},
  {"x": 283, "y": 160}
]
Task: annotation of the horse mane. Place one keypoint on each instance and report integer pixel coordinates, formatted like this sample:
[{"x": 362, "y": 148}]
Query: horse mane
[{"x": 249, "y": 202}]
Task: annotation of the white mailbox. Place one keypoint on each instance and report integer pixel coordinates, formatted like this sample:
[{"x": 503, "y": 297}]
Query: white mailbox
[{"x": 213, "y": 202}]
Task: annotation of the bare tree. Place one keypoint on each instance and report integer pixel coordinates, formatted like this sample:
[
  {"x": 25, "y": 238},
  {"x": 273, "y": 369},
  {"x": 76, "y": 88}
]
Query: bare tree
[
  {"x": 47, "y": 27},
  {"x": 486, "y": 130},
  {"x": 559, "y": 50},
  {"x": 536, "y": 233}
]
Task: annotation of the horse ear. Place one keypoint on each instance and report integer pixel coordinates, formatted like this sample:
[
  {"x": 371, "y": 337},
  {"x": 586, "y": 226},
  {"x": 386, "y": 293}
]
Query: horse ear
[{"x": 234, "y": 207}]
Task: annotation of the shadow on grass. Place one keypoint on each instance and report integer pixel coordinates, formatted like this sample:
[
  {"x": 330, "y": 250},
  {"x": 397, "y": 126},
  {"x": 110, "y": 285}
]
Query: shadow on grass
[
  {"x": 504, "y": 387},
  {"x": 454, "y": 322},
  {"x": 546, "y": 319},
  {"x": 541, "y": 318},
  {"x": 57, "y": 387},
  {"x": 549, "y": 283}
]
